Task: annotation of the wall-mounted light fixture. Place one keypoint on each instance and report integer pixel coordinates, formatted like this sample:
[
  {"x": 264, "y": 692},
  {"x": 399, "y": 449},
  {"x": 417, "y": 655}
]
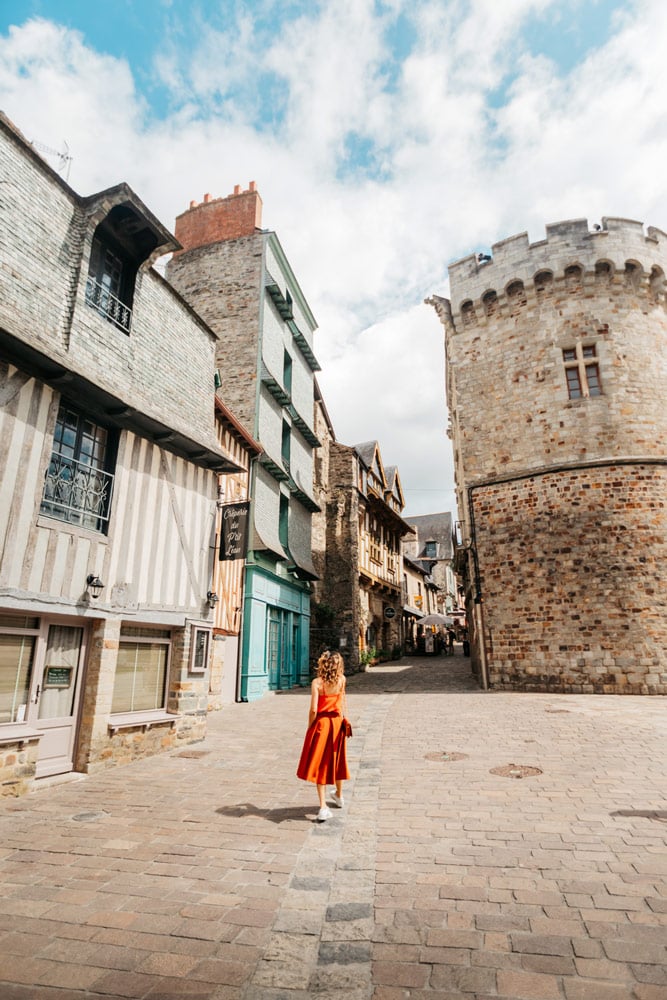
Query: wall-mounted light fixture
[
  {"x": 212, "y": 598},
  {"x": 94, "y": 585}
]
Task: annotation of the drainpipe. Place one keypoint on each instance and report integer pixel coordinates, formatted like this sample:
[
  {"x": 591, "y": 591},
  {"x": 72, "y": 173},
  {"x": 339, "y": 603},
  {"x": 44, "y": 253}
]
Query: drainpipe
[{"x": 478, "y": 600}]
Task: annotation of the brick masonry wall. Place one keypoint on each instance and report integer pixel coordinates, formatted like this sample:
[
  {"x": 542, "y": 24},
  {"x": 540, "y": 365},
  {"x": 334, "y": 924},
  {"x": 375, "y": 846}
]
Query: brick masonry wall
[
  {"x": 572, "y": 580},
  {"x": 215, "y": 219}
]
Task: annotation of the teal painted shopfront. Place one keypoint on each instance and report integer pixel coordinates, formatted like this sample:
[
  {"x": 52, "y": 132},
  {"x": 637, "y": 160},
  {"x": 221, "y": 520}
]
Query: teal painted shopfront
[{"x": 276, "y": 626}]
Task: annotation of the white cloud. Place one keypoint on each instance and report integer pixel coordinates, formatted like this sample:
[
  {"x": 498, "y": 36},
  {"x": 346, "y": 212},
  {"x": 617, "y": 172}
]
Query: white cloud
[{"x": 453, "y": 171}]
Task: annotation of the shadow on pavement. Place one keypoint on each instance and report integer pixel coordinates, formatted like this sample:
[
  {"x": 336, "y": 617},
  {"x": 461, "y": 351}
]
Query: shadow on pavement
[
  {"x": 244, "y": 809},
  {"x": 659, "y": 814}
]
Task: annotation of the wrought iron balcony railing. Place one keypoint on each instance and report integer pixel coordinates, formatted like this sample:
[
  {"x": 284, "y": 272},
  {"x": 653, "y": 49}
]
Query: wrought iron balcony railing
[
  {"x": 109, "y": 305},
  {"x": 77, "y": 493}
]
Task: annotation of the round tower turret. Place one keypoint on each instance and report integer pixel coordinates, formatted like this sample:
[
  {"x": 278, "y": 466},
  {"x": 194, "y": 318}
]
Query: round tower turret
[{"x": 556, "y": 382}]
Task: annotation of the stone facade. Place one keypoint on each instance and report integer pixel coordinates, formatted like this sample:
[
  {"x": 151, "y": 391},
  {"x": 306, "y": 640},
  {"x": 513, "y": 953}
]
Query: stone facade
[{"x": 556, "y": 380}]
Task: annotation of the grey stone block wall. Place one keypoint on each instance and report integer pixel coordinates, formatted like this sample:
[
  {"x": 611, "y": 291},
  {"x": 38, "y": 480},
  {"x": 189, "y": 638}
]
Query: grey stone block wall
[
  {"x": 163, "y": 367},
  {"x": 222, "y": 282}
]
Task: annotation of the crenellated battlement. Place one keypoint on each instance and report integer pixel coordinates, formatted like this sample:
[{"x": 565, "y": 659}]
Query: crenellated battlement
[{"x": 619, "y": 256}]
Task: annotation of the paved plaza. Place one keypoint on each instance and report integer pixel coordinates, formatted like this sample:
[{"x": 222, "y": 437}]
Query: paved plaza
[{"x": 492, "y": 845}]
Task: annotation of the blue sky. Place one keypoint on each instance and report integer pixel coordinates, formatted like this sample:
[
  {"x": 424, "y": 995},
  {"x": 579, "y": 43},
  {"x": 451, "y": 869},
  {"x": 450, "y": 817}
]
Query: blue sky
[{"x": 387, "y": 138}]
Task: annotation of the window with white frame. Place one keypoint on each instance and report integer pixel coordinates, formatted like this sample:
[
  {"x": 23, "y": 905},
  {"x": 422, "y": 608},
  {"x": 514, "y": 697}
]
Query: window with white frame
[
  {"x": 199, "y": 651},
  {"x": 142, "y": 669}
]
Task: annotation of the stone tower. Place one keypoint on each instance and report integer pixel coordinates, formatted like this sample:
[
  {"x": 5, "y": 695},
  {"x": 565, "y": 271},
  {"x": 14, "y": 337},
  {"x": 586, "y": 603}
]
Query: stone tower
[{"x": 556, "y": 358}]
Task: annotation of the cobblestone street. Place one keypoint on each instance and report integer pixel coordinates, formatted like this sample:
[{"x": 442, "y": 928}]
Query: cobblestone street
[{"x": 202, "y": 874}]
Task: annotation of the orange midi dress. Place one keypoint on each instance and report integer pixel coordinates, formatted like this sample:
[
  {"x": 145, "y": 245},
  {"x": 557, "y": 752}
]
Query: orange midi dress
[{"x": 323, "y": 757}]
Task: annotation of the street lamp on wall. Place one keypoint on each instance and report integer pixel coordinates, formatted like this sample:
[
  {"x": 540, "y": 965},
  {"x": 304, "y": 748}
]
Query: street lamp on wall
[
  {"x": 212, "y": 598},
  {"x": 94, "y": 586}
]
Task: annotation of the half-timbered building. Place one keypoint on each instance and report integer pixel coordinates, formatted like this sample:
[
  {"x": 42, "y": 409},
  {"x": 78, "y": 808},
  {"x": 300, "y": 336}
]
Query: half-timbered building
[
  {"x": 109, "y": 480},
  {"x": 364, "y": 575}
]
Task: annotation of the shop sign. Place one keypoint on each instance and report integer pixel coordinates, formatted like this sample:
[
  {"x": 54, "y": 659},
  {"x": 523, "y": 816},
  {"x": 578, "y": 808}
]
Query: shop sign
[{"x": 234, "y": 530}]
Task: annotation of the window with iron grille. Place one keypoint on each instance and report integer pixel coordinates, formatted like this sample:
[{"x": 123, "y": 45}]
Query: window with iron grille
[
  {"x": 78, "y": 484},
  {"x": 109, "y": 283},
  {"x": 122, "y": 242},
  {"x": 582, "y": 371}
]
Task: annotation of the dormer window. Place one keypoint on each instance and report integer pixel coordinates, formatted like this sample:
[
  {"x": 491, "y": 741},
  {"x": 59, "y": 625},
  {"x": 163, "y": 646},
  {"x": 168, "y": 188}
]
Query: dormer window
[
  {"x": 430, "y": 550},
  {"x": 107, "y": 287},
  {"x": 125, "y": 239}
]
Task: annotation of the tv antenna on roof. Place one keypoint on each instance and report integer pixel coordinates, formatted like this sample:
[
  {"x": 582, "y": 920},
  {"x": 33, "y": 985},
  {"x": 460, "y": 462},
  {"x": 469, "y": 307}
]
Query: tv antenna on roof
[{"x": 64, "y": 158}]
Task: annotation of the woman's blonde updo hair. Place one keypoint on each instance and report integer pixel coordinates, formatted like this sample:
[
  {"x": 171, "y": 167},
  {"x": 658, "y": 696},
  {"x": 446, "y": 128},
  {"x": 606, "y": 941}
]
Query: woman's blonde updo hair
[{"x": 330, "y": 666}]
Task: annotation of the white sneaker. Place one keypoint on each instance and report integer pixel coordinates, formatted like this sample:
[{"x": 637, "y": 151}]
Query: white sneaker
[
  {"x": 337, "y": 799},
  {"x": 323, "y": 814}
]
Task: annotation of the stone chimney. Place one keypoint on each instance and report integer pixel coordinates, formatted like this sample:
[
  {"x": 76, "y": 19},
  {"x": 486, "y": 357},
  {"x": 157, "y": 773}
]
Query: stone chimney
[{"x": 217, "y": 219}]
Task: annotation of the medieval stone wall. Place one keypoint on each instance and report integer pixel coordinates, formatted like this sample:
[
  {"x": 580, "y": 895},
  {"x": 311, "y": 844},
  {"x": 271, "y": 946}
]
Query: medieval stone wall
[
  {"x": 563, "y": 495},
  {"x": 342, "y": 549},
  {"x": 572, "y": 580}
]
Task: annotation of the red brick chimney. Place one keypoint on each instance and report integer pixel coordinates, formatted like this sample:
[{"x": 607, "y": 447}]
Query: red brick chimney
[{"x": 218, "y": 219}]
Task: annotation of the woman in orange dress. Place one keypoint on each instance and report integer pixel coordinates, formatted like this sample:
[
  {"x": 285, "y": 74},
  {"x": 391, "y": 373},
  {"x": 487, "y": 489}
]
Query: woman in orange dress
[{"x": 323, "y": 757}]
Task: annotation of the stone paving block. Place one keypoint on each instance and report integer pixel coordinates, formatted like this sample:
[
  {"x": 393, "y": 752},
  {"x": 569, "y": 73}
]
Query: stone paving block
[
  {"x": 446, "y": 937},
  {"x": 22, "y": 969},
  {"x": 182, "y": 989},
  {"x": 497, "y": 959},
  {"x": 407, "y": 974},
  {"x": 528, "y": 985},
  {"x": 348, "y": 911},
  {"x": 656, "y": 974},
  {"x": 643, "y": 952},
  {"x": 119, "y": 985},
  {"x": 344, "y": 979},
  {"x": 537, "y": 944},
  {"x": 589, "y": 989},
  {"x": 444, "y": 956},
  {"x": 215, "y": 970},
  {"x": 551, "y": 964},
  {"x": 601, "y": 968},
  {"x": 645, "y": 991},
  {"x": 464, "y": 980},
  {"x": 167, "y": 965}
]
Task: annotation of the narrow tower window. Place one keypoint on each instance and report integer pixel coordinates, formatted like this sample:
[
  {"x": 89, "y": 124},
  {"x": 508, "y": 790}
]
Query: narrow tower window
[{"x": 582, "y": 371}]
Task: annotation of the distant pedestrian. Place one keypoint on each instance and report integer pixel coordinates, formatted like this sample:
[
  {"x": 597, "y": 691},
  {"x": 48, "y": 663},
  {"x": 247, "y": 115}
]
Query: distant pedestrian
[
  {"x": 323, "y": 757},
  {"x": 450, "y": 641}
]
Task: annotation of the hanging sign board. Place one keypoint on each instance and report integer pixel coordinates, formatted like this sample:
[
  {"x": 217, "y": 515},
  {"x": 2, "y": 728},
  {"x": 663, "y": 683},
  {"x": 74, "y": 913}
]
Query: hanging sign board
[{"x": 234, "y": 530}]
